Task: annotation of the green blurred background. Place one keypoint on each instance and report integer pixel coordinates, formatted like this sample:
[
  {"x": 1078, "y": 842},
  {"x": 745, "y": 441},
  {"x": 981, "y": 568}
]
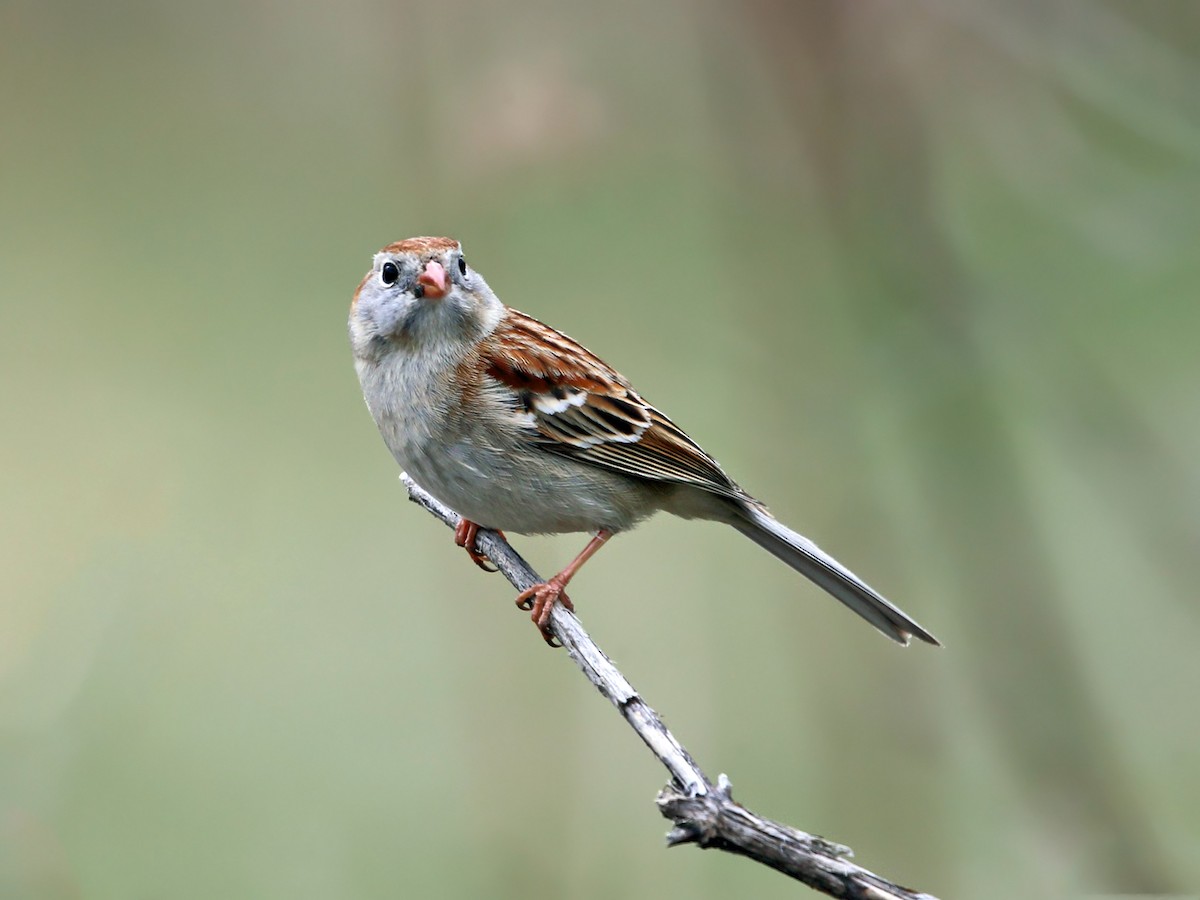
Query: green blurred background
[{"x": 923, "y": 276}]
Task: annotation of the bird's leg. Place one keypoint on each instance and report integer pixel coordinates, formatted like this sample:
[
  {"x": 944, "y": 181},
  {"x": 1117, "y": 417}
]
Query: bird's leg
[
  {"x": 540, "y": 598},
  {"x": 464, "y": 535}
]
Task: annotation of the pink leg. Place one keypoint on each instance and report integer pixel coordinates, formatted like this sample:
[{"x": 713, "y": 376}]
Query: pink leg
[{"x": 540, "y": 598}]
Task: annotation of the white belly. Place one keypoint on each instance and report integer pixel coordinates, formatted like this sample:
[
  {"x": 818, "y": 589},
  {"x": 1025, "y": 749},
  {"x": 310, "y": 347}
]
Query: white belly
[
  {"x": 494, "y": 475},
  {"x": 527, "y": 491}
]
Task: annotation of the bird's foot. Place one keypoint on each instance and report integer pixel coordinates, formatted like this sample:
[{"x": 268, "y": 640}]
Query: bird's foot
[
  {"x": 464, "y": 535},
  {"x": 539, "y": 601}
]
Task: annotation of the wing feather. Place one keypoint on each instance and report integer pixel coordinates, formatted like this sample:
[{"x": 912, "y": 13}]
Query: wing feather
[{"x": 584, "y": 409}]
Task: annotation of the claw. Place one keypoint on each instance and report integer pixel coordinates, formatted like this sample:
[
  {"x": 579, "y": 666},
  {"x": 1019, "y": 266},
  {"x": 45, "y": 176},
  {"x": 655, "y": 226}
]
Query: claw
[
  {"x": 464, "y": 535},
  {"x": 539, "y": 602},
  {"x": 483, "y": 562}
]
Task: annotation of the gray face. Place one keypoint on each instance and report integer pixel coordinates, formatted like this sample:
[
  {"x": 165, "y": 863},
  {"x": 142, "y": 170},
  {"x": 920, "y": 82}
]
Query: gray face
[{"x": 393, "y": 310}]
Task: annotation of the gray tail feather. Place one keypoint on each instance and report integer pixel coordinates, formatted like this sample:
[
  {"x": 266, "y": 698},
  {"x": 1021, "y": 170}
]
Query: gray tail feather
[{"x": 826, "y": 572}]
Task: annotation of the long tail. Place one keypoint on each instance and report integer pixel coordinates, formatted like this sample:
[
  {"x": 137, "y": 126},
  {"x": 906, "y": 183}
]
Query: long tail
[{"x": 823, "y": 570}]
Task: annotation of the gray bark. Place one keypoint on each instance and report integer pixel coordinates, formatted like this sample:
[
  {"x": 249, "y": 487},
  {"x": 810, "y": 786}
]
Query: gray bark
[{"x": 704, "y": 813}]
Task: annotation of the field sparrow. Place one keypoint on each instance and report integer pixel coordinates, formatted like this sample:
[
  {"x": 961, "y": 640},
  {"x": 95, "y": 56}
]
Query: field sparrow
[{"x": 518, "y": 427}]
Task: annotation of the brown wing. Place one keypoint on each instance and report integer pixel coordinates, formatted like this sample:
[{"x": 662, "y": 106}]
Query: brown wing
[{"x": 584, "y": 409}]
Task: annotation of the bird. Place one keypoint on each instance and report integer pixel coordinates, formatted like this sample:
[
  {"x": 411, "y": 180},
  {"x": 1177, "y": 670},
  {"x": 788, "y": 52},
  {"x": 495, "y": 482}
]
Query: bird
[{"x": 520, "y": 428}]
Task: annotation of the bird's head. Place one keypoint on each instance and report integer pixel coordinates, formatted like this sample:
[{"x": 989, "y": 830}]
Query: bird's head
[{"x": 420, "y": 293}]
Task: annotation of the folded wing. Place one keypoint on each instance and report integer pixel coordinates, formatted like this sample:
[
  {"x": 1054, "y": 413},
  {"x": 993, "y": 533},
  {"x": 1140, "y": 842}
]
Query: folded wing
[{"x": 584, "y": 409}]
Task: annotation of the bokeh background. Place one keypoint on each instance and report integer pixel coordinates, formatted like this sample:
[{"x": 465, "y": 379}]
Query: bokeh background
[{"x": 923, "y": 276}]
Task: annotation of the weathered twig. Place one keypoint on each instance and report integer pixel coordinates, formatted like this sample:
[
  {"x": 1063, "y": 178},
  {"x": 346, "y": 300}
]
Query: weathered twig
[{"x": 703, "y": 813}]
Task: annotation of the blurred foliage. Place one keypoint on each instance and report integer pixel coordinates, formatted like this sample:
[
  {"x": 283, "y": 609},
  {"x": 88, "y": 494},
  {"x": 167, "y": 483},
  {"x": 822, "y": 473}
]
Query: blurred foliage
[{"x": 923, "y": 276}]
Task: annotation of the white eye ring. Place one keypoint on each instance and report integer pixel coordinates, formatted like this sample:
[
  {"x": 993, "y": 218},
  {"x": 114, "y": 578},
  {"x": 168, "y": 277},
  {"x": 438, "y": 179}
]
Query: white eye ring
[{"x": 389, "y": 274}]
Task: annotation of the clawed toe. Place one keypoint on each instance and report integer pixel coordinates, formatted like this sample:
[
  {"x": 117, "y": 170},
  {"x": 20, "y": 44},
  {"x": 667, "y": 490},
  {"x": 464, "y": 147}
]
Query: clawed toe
[
  {"x": 465, "y": 534},
  {"x": 482, "y": 561},
  {"x": 539, "y": 602}
]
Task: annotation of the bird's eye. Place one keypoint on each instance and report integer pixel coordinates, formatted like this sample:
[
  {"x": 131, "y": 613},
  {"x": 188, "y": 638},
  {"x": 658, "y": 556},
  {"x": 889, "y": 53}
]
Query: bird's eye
[
  {"x": 390, "y": 273},
  {"x": 462, "y": 266}
]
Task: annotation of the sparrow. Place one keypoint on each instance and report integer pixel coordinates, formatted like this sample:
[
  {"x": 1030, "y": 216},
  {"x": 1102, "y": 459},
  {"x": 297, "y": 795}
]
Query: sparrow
[{"x": 520, "y": 428}]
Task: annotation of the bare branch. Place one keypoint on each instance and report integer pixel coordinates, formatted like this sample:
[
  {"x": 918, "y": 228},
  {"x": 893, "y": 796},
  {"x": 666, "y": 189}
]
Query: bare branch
[{"x": 704, "y": 814}]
